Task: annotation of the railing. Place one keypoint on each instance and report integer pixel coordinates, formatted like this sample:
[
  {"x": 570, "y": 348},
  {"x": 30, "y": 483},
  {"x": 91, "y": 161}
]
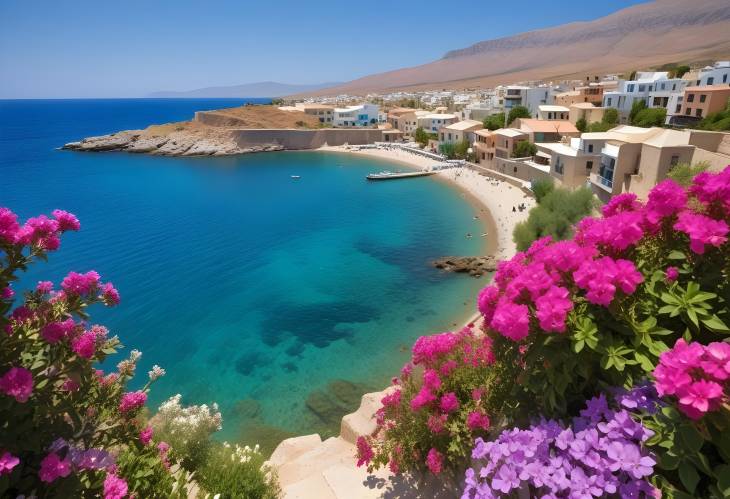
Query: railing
[{"x": 598, "y": 179}]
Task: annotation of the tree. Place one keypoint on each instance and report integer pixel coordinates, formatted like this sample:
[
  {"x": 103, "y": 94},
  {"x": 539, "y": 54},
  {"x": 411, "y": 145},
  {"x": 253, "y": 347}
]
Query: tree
[
  {"x": 421, "y": 136},
  {"x": 719, "y": 121},
  {"x": 494, "y": 122},
  {"x": 680, "y": 71},
  {"x": 518, "y": 112},
  {"x": 555, "y": 214},
  {"x": 610, "y": 116},
  {"x": 637, "y": 106},
  {"x": 599, "y": 126},
  {"x": 448, "y": 149},
  {"x": 581, "y": 125},
  {"x": 461, "y": 150},
  {"x": 654, "y": 116},
  {"x": 524, "y": 149},
  {"x": 542, "y": 188}
]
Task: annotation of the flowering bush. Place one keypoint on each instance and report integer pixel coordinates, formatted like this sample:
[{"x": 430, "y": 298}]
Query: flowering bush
[
  {"x": 599, "y": 454},
  {"x": 187, "y": 429},
  {"x": 235, "y": 471},
  {"x": 436, "y": 409},
  {"x": 68, "y": 429},
  {"x": 565, "y": 320}
]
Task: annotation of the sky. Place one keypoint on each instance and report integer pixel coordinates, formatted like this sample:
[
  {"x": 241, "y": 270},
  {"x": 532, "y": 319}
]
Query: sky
[{"x": 130, "y": 48}]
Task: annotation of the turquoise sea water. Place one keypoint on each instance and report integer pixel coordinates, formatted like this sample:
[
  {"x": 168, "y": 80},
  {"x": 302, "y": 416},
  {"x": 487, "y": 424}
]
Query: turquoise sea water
[{"x": 283, "y": 300}]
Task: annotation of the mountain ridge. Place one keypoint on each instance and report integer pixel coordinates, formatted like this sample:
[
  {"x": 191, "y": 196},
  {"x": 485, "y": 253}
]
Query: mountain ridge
[{"x": 259, "y": 89}]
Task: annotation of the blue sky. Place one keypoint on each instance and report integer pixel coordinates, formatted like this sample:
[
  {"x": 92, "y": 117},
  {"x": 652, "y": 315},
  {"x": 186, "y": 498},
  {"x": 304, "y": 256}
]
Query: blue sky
[{"x": 80, "y": 48}]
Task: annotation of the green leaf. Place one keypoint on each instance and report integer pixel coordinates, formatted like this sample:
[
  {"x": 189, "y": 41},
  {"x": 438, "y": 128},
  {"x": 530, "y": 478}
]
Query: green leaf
[
  {"x": 690, "y": 438},
  {"x": 715, "y": 325},
  {"x": 668, "y": 462},
  {"x": 578, "y": 346},
  {"x": 689, "y": 476},
  {"x": 676, "y": 255},
  {"x": 646, "y": 364}
]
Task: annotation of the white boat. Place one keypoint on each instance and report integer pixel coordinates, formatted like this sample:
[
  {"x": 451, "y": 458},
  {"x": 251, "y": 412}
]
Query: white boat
[{"x": 296, "y": 177}]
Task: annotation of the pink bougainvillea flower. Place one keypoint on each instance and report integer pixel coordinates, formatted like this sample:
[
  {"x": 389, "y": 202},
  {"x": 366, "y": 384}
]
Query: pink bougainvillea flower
[
  {"x": 431, "y": 379},
  {"x": 44, "y": 287},
  {"x": 17, "y": 383},
  {"x": 665, "y": 199},
  {"x": 80, "y": 284},
  {"x": 53, "y": 332},
  {"x": 434, "y": 461},
  {"x": 132, "y": 401},
  {"x": 422, "y": 398},
  {"x": 449, "y": 402},
  {"x": 66, "y": 221},
  {"x": 114, "y": 487},
  {"x": 511, "y": 320},
  {"x": 7, "y": 293},
  {"x": 713, "y": 188},
  {"x": 110, "y": 294},
  {"x": 53, "y": 467},
  {"x": 85, "y": 345},
  {"x": 365, "y": 452},
  {"x": 671, "y": 274},
  {"x": 553, "y": 308},
  {"x": 487, "y": 302},
  {"x": 7, "y": 462},
  {"x": 702, "y": 230},
  {"x": 436, "y": 423},
  {"x": 9, "y": 226},
  {"x": 145, "y": 436},
  {"x": 621, "y": 202},
  {"x": 477, "y": 420}
]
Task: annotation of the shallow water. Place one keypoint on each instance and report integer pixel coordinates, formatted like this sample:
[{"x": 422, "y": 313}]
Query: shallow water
[{"x": 283, "y": 300}]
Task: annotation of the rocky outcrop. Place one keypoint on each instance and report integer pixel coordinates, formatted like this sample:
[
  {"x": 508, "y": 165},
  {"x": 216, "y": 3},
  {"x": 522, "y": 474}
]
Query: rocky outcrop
[
  {"x": 178, "y": 143},
  {"x": 475, "y": 266}
]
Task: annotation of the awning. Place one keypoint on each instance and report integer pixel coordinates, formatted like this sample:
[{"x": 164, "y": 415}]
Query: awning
[{"x": 543, "y": 154}]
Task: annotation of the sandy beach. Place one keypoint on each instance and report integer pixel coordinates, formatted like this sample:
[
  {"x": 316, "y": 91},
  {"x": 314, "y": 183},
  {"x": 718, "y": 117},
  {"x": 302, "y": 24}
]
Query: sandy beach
[{"x": 492, "y": 198}]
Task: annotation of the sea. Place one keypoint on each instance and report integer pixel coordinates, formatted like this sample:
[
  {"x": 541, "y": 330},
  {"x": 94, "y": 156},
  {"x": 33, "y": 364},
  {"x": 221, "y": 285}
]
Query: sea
[{"x": 282, "y": 300}]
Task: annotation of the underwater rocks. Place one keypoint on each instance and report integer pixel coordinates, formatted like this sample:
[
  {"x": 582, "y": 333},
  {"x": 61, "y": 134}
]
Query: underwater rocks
[
  {"x": 339, "y": 398},
  {"x": 475, "y": 266}
]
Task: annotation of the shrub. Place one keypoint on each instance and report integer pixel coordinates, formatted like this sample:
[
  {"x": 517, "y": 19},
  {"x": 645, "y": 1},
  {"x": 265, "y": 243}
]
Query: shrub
[
  {"x": 649, "y": 117},
  {"x": 494, "y": 122},
  {"x": 421, "y": 136},
  {"x": 600, "y": 127},
  {"x": 610, "y": 116},
  {"x": 684, "y": 173},
  {"x": 636, "y": 107},
  {"x": 542, "y": 187},
  {"x": 719, "y": 121},
  {"x": 554, "y": 216},
  {"x": 638, "y": 296},
  {"x": 524, "y": 149},
  {"x": 238, "y": 472},
  {"x": 517, "y": 112},
  {"x": 582, "y": 125},
  {"x": 448, "y": 149}
]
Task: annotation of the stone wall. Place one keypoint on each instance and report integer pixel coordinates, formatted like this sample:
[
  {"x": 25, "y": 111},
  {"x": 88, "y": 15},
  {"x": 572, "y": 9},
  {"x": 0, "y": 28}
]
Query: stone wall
[{"x": 306, "y": 139}]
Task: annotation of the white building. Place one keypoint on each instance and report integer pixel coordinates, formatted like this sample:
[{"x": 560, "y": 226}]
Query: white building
[
  {"x": 717, "y": 74},
  {"x": 629, "y": 91},
  {"x": 549, "y": 112},
  {"x": 360, "y": 115},
  {"x": 530, "y": 97},
  {"x": 431, "y": 123}
]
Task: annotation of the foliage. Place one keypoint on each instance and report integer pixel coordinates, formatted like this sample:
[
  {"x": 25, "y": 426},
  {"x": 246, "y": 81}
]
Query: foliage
[
  {"x": 421, "y": 136},
  {"x": 277, "y": 102},
  {"x": 517, "y": 112},
  {"x": 637, "y": 106},
  {"x": 654, "y": 116},
  {"x": 461, "y": 150},
  {"x": 554, "y": 215},
  {"x": 610, "y": 116},
  {"x": 448, "y": 149},
  {"x": 582, "y": 125},
  {"x": 684, "y": 173},
  {"x": 542, "y": 187},
  {"x": 599, "y": 126},
  {"x": 636, "y": 300},
  {"x": 187, "y": 430},
  {"x": 238, "y": 472},
  {"x": 719, "y": 121},
  {"x": 494, "y": 121},
  {"x": 66, "y": 428},
  {"x": 524, "y": 149}
]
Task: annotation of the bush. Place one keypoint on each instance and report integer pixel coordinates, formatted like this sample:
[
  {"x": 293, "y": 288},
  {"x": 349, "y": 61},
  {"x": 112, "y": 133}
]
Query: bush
[
  {"x": 494, "y": 122},
  {"x": 581, "y": 125},
  {"x": 554, "y": 216},
  {"x": 518, "y": 112},
  {"x": 719, "y": 121},
  {"x": 655, "y": 116},
  {"x": 630, "y": 314},
  {"x": 542, "y": 187},
  {"x": 421, "y": 136},
  {"x": 637, "y": 106},
  {"x": 684, "y": 173},
  {"x": 599, "y": 127},
  {"x": 238, "y": 473},
  {"x": 448, "y": 149},
  {"x": 610, "y": 116},
  {"x": 68, "y": 429},
  {"x": 524, "y": 149}
]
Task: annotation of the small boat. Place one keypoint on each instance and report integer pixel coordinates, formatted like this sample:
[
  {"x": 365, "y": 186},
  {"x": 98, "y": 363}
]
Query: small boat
[{"x": 295, "y": 177}]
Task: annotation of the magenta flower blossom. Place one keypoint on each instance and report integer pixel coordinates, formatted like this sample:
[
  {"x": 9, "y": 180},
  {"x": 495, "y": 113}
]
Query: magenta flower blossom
[
  {"x": 713, "y": 189},
  {"x": 449, "y": 402},
  {"x": 7, "y": 462},
  {"x": 17, "y": 383},
  {"x": 85, "y": 345},
  {"x": 53, "y": 467},
  {"x": 429, "y": 348},
  {"x": 665, "y": 199},
  {"x": 9, "y": 226},
  {"x": 66, "y": 221},
  {"x": 53, "y": 332},
  {"x": 44, "y": 287},
  {"x": 132, "y": 401},
  {"x": 434, "y": 461},
  {"x": 7, "y": 293},
  {"x": 620, "y": 203},
  {"x": 477, "y": 420},
  {"x": 671, "y": 274},
  {"x": 553, "y": 308},
  {"x": 422, "y": 398},
  {"x": 80, "y": 284},
  {"x": 110, "y": 294},
  {"x": 145, "y": 436},
  {"x": 700, "y": 397},
  {"x": 487, "y": 302},
  {"x": 702, "y": 230},
  {"x": 365, "y": 452},
  {"x": 431, "y": 379},
  {"x": 392, "y": 399},
  {"x": 41, "y": 232},
  {"x": 114, "y": 487},
  {"x": 436, "y": 423},
  {"x": 511, "y": 320}
]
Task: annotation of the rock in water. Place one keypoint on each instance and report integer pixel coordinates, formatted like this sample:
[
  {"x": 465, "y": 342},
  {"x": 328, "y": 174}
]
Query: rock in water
[{"x": 475, "y": 266}]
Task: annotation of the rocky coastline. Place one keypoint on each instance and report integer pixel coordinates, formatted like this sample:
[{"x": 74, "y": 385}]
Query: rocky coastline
[{"x": 475, "y": 266}]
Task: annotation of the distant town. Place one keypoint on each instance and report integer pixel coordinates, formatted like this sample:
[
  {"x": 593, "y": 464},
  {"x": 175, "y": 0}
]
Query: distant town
[{"x": 614, "y": 133}]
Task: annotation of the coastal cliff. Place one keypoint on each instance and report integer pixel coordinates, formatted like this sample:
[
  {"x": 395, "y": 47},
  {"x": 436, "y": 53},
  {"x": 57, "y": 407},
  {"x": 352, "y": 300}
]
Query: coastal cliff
[{"x": 227, "y": 132}]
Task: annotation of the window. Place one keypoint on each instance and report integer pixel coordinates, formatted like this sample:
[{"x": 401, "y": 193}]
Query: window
[
  {"x": 679, "y": 106},
  {"x": 630, "y": 88},
  {"x": 698, "y": 112},
  {"x": 688, "y": 111},
  {"x": 710, "y": 80},
  {"x": 690, "y": 97},
  {"x": 674, "y": 160},
  {"x": 703, "y": 98},
  {"x": 515, "y": 169},
  {"x": 642, "y": 88},
  {"x": 590, "y": 147},
  {"x": 664, "y": 85},
  {"x": 559, "y": 166},
  {"x": 724, "y": 78},
  {"x": 674, "y": 86},
  {"x": 605, "y": 172},
  {"x": 589, "y": 166},
  {"x": 608, "y": 102}
]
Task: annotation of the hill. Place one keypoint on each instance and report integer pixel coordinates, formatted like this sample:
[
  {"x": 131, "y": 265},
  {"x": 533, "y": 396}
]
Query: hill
[{"x": 641, "y": 36}]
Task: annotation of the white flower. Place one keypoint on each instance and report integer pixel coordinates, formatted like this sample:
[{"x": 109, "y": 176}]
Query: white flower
[
  {"x": 156, "y": 372},
  {"x": 135, "y": 355}
]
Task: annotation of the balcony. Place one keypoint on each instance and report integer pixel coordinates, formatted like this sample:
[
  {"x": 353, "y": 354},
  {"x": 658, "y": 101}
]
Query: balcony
[{"x": 602, "y": 182}]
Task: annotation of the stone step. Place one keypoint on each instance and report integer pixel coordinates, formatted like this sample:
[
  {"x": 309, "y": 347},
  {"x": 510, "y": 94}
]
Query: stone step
[
  {"x": 349, "y": 482},
  {"x": 332, "y": 451},
  {"x": 313, "y": 487},
  {"x": 292, "y": 448},
  {"x": 362, "y": 422}
]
